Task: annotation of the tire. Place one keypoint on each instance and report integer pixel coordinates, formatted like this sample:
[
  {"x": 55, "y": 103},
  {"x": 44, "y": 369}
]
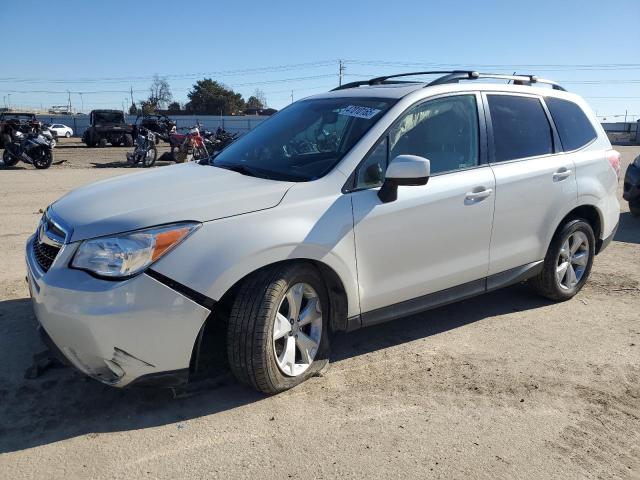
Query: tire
[
  {"x": 547, "y": 283},
  {"x": 67, "y": 135},
  {"x": 102, "y": 142},
  {"x": 5, "y": 140},
  {"x": 8, "y": 159},
  {"x": 634, "y": 207},
  {"x": 128, "y": 140},
  {"x": 150, "y": 159},
  {"x": 256, "y": 357},
  {"x": 44, "y": 161}
]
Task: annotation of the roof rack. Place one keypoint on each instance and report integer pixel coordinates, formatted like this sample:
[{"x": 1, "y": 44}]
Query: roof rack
[{"x": 453, "y": 76}]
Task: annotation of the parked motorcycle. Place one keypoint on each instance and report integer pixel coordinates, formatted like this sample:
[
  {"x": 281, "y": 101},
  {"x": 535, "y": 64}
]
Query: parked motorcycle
[
  {"x": 31, "y": 148},
  {"x": 188, "y": 146},
  {"x": 215, "y": 142},
  {"x": 145, "y": 152}
]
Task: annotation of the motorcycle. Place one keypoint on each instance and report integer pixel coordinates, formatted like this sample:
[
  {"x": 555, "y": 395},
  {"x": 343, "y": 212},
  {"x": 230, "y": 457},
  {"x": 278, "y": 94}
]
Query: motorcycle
[
  {"x": 215, "y": 142},
  {"x": 185, "y": 144},
  {"x": 145, "y": 152},
  {"x": 32, "y": 148}
]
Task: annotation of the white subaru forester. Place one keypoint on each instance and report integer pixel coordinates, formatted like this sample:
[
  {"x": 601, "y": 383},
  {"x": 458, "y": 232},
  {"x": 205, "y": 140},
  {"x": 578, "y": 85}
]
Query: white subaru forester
[{"x": 365, "y": 204}]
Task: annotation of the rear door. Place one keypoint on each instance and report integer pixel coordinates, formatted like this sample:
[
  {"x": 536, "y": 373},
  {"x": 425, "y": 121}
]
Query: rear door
[{"x": 535, "y": 181}]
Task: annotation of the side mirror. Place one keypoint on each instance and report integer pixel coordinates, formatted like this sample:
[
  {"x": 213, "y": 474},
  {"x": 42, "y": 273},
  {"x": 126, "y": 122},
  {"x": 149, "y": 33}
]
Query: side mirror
[{"x": 404, "y": 170}]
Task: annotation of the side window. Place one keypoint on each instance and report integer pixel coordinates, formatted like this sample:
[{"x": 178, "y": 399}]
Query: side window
[
  {"x": 520, "y": 127},
  {"x": 370, "y": 173},
  {"x": 444, "y": 130},
  {"x": 573, "y": 126}
]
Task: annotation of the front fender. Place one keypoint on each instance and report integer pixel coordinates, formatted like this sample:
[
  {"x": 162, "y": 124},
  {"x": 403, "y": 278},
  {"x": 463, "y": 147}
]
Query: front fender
[{"x": 224, "y": 251}]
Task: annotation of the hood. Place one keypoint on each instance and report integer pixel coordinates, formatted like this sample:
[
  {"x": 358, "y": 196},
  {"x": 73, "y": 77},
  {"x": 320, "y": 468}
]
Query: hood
[{"x": 164, "y": 195}]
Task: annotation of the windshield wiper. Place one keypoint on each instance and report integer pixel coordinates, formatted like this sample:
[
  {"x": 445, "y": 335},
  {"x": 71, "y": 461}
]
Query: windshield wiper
[{"x": 245, "y": 170}]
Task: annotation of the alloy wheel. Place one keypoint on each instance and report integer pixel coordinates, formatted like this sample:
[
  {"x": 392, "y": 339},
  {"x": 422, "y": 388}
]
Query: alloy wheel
[
  {"x": 297, "y": 329},
  {"x": 572, "y": 260}
]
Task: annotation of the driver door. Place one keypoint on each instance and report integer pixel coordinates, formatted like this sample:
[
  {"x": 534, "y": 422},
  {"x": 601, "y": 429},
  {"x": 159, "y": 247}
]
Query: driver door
[{"x": 433, "y": 237}]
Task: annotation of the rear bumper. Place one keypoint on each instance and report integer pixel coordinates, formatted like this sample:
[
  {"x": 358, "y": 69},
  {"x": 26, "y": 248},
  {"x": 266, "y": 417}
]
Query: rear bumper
[
  {"x": 604, "y": 243},
  {"x": 119, "y": 333}
]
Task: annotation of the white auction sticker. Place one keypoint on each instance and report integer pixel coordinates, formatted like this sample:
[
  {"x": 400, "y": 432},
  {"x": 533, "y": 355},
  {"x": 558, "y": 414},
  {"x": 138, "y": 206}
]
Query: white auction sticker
[{"x": 359, "y": 111}]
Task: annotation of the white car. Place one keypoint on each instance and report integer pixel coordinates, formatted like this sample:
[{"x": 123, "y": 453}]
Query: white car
[
  {"x": 61, "y": 130},
  {"x": 365, "y": 204}
]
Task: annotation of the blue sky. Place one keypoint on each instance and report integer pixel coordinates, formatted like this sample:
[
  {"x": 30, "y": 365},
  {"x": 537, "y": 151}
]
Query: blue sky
[{"x": 103, "y": 48}]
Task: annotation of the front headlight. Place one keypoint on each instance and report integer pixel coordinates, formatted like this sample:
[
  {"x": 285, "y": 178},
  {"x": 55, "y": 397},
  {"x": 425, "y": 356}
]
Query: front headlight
[{"x": 124, "y": 255}]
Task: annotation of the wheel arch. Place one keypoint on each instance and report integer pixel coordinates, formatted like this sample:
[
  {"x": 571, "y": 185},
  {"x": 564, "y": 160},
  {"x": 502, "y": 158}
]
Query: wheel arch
[
  {"x": 209, "y": 349},
  {"x": 592, "y": 215}
]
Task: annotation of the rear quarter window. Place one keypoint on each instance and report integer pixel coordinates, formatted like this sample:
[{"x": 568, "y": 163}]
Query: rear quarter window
[{"x": 572, "y": 124}]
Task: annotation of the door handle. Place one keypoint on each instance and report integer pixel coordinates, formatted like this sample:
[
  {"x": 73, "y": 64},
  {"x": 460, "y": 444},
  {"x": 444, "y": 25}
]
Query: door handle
[
  {"x": 561, "y": 174},
  {"x": 478, "y": 195}
]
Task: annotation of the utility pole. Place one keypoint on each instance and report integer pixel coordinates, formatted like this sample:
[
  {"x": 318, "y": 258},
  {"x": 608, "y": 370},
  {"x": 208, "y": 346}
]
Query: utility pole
[
  {"x": 625, "y": 116},
  {"x": 131, "y": 95},
  {"x": 81, "y": 102},
  {"x": 69, "y": 100},
  {"x": 4, "y": 100},
  {"x": 291, "y": 96},
  {"x": 9, "y": 101},
  {"x": 340, "y": 71}
]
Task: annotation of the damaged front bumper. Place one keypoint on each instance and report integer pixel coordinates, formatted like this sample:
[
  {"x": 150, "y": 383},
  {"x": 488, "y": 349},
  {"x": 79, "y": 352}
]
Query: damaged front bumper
[{"x": 133, "y": 332}]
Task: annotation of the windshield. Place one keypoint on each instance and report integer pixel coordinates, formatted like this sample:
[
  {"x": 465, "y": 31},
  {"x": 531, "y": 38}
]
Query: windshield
[
  {"x": 304, "y": 141},
  {"x": 109, "y": 117}
]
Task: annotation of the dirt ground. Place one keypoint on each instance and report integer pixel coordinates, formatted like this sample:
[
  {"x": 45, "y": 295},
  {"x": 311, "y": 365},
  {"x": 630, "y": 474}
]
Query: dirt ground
[{"x": 506, "y": 385}]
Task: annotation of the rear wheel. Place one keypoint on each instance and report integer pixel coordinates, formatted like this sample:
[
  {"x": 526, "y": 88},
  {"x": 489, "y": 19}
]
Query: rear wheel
[
  {"x": 278, "y": 334},
  {"x": 5, "y": 140},
  {"x": 8, "y": 159},
  {"x": 567, "y": 264},
  {"x": 102, "y": 142},
  {"x": 68, "y": 134},
  {"x": 634, "y": 208}
]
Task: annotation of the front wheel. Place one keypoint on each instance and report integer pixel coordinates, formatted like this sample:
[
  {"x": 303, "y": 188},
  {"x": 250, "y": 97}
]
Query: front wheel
[
  {"x": 43, "y": 159},
  {"x": 149, "y": 158},
  {"x": 567, "y": 264},
  {"x": 277, "y": 335},
  {"x": 634, "y": 208}
]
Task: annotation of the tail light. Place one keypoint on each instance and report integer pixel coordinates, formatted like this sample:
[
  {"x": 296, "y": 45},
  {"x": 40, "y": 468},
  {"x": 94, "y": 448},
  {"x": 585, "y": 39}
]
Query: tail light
[{"x": 614, "y": 160}]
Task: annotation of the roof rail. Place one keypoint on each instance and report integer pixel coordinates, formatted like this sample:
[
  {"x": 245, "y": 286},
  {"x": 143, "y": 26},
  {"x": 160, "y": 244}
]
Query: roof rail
[
  {"x": 383, "y": 80},
  {"x": 455, "y": 77},
  {"x": 452, "y": 76}
]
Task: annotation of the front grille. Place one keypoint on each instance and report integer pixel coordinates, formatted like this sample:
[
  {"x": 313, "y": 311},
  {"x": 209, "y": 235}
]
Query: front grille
[{"x": 45, "y": 254}]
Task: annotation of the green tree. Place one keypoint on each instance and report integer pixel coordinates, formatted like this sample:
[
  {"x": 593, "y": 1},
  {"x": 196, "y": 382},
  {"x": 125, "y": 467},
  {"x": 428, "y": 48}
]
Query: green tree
[
  {"x": 257, "y": 100},
  {"x": 213, "y": 98},
  {"x": 174, "y": 107}
]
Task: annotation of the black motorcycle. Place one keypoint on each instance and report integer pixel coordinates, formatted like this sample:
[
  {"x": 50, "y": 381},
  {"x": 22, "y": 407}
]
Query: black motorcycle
[
  {"x": 145, "y": 152},
  {"x": 218, "y": 141},
  {"x": 31, "y": 148},
  {"x": 632, "y": 187}
]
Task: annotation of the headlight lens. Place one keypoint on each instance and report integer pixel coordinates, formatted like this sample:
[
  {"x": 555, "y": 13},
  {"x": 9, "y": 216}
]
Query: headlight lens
[{"x": 124, "y": 255}]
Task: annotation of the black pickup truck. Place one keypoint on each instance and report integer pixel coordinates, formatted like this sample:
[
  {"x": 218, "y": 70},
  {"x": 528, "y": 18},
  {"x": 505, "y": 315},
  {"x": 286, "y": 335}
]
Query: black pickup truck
[{"x": 108, "y": 126}]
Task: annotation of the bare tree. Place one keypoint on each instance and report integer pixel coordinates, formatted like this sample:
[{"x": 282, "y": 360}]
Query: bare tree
[
  {"x": 257, "y": 100},
  {"x": 159, "y": 94}
]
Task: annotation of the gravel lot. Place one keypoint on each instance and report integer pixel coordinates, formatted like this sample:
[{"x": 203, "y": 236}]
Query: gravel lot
[{"x": 505, "y": 385}]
